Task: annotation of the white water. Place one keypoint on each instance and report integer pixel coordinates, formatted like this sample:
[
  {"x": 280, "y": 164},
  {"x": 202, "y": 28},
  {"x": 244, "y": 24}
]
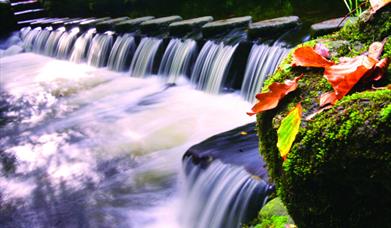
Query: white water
[
  {"x": 97, "y": 148},
  {"x": 122, "y": 53},
  {"x": 262, "y": 62},
  {"x": 100, "y": 49},
  {"x": 81, "y": 47},
  {"x": 177, "y": 59},
  {"x": 66, "y": 42},
  {"x": 212, "y": 66},
  {"x": 144, "y": 57}
]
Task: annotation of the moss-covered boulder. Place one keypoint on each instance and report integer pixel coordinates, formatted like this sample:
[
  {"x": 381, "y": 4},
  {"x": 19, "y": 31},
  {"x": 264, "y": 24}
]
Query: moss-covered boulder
[
  {"x": 274, "y": 215},
  {"x": 337, "y": 172}
]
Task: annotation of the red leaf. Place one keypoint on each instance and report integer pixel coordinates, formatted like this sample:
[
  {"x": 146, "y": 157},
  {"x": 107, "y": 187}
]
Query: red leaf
[
  {"x": 308, "y": 57},
  {"x": 380, "y": 69},
  {"x": 328, "y": 98},
  {"x": 378, "y": 4},
  {"x": 270, "y": 99},
  {"x": 345, "y": 75}
]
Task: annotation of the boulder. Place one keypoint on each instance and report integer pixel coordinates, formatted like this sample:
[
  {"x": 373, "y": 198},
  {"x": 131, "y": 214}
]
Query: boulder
[
  {"x": 337, "y": 172},
  {"x": 189, "y": 26},
  {"x": 329, "y": 26},
  {"x": 159, "y": 25},
  {"x": 223, "y": 26},
  {"x": 131, "y": 25},
  {"x": 108, "y": 25},
  {"x": 273, "y": 27}
]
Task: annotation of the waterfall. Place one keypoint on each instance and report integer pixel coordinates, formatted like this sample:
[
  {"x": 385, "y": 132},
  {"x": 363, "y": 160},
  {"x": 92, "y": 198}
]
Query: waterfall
[
  {"x": 82, "y": 44},
  {"x": 66, "y": 43},
  {"x": 262, "y": 62},
  {"x": 212, "y": 66},
  {"x": 177, "y": 59},
  {"x": 122, "y": 53},
  {"x": 52, "y": 42},
  {"x": 29, "y": 38},
  {"x": 144, "y": 57},
  {"x": 41, "y": 40},
  {"x": 221, "y": 195},
  {"x": 99, "y": 49}
]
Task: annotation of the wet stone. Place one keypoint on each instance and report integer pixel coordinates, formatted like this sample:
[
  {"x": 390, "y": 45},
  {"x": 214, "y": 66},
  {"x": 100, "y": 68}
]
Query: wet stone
[
  {"x": 189, "y": 26},
  {"x": 108, "y": 25},
  {"x": 222, "y": 26},
  {"x": 329, "y": 26},
  {"x": 159, "y": 25},
  {"x": 273, "y": 27},
  {"x": 88, "y": 24},
  {"x": 131, "y": 25}
]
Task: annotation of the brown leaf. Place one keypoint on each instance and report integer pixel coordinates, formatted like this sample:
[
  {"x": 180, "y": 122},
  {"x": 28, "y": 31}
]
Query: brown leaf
[
  {"x": 380, "y": 69},
  {"x": 328, "y": 98},
  {"x": 270, "y": 99},
  {"x": 378, "y": 4},
  {"x": 375, "y": 50},
  {"x": 308, "y": 57},
  {"x": 345, "y": 75}
]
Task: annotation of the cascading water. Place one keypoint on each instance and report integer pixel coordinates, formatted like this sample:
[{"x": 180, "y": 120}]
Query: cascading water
[
  {"x": 94, "y": 148},
  {"x": 177, "y": 59},
  {"x": 212, "y": 65},
  {"x": 66, "y": 43},
  {"x": 41, "y": 40},
  {"x": 262, "y": 62},
  {"x": 52, "y": 42},
  {"x": 144, "y": 57},
  {"x": 81, "y": 47},
  {"x": 221, "y": 195},
  {"x": 29, "y": 37},
  {"x": 122, "y": 52},
  {"x": 99, "y": 50}
]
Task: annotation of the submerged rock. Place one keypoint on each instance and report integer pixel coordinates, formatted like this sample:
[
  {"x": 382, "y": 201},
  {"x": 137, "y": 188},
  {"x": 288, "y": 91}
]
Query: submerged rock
[
  {"x": 223, "y": 26},
  {"x": 273, "y": 27},
  {"x": 337, "y": 171}
]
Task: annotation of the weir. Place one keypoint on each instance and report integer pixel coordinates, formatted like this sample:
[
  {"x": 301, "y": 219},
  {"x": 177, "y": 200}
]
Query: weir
[{"x": 222, "y": 193}]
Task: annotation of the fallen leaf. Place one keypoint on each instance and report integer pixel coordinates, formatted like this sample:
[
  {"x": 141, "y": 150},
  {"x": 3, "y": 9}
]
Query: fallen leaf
[
  {"x": 375, "y": 50},
  {"x": 380, "y": 69},
  {"x": 270, "y": 99},
  {"x": 378, "y": 4},
  {"x": 288, "y": 130},
  {"x": 310, "y": 117},
  {"x": 344, "y": 76},
  {"x": 308, "y": 57},
  {"x": 243, "y": 133}
]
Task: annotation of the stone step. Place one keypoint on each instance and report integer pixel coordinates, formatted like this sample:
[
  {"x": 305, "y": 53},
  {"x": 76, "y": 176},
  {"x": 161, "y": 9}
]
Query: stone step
[
  {"x": 131, "y": 25},
  {"x": 329, "y": 26},
  {"x": 227, "y": 25},
  {"x": 29, "y": 14},
  {"x": 90, "y": 23},
  {"x": 273, "y": 27},
  {"x": 108, "y": 25},
  {"x": 189, "y": 26},
  {"x": 25, "y": 5},
  {"x": 159, "y": 25},
  {"x": 44, "y": 22}
]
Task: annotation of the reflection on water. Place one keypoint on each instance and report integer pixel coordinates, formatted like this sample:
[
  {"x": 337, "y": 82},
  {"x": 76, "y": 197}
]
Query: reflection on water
[{"x": 94, "y": 148}]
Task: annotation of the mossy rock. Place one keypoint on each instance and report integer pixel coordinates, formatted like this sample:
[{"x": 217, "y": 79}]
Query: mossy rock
[
  {"x": 274, "y": 215},
  {"x": 337, "y": 172}
]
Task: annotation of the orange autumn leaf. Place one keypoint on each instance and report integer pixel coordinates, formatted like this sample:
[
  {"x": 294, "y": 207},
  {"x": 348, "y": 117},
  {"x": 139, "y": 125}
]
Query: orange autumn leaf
[
  {"x": 378, "y": 4},
  {"x": 328, "y": 98},
  {"x": 308, "y": 57},
  {"x": 270, "y": 99}
]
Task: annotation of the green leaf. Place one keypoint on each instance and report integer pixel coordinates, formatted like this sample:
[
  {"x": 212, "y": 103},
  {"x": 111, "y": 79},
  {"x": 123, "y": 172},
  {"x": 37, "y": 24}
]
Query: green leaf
[{"x": 288, "y": 130}]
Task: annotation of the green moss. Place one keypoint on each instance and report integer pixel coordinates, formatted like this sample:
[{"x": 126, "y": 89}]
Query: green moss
[
  {"x": 337, "y": 173},
  {"x": 273, "y": 215}
]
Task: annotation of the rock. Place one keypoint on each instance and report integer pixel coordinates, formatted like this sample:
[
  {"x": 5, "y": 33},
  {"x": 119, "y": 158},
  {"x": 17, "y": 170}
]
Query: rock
[
  {"x": 273, "y": 27},
  {"x": 329, "y": 26},
  {"x": 159, "y": 25},
  {"x": 131, "y": 25},
  {"x": 108, "y": 25},
  {"x": 337, "y": 171},
  {"x": 238, "y": 147},
  {"x": 90, "y": 23},
  {"x": 222, "y": 26},
  {"x": 7, "y": 18},
  {"x": 189, "y": 26}
]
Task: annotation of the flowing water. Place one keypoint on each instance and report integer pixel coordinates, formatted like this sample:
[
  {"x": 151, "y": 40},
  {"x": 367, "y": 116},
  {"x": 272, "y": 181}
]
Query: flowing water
[
  {"x": 88, "y": 147},
  {"x": 95, "y": 148}
]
